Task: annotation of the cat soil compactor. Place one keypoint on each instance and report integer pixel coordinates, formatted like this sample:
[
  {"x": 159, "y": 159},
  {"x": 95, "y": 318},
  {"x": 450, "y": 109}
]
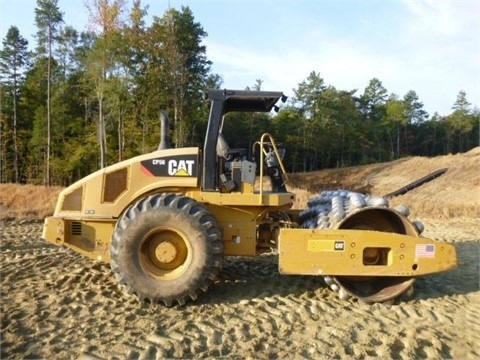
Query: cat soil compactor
[{"x": 165, "y": 220}]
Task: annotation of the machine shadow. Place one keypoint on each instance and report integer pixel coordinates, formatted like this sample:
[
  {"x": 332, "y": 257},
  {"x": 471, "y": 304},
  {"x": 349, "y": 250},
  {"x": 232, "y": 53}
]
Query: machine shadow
[{"x": 245, "y": 279}]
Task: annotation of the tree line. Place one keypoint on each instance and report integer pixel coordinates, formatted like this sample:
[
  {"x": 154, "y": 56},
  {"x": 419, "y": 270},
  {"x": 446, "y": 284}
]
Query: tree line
[{"x": 81, "y": 101}]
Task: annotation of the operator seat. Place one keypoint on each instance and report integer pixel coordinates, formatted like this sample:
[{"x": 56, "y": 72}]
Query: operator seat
[
  {"x": 224, "y": 151},
  {"x": 230, "y": 175}
]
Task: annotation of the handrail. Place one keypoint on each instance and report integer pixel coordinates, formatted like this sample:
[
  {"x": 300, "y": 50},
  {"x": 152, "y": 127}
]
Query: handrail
[{"x": 264, "y": 153}]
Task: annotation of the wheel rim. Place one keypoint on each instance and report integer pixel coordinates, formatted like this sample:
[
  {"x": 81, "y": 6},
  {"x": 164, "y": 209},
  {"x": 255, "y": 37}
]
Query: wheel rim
[{"x": 165, "y": 253}]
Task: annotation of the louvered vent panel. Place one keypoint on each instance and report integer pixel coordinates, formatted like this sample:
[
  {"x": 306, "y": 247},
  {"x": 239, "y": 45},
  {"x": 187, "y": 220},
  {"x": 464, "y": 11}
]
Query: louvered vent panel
[
  {"x": 115, "y": 185},
  {"x": 73, "y": 201},
  {"x": 76, "y": 228}
]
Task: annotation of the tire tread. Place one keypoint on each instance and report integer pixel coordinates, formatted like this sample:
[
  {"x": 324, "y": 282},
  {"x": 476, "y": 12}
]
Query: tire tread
[{"x": 200, "y": 214}]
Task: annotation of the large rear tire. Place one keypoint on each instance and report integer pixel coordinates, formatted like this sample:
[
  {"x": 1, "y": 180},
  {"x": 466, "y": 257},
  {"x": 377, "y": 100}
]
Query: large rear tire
[{"x": 166, "y": 248}]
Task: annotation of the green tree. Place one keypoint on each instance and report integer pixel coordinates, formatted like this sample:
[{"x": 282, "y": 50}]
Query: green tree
[
  {"x": 460, "y": 122},
  {"x": 286, "y": 125},
  {"x": 33, "y": 102},
  {"x": 136, "y": 64},
  {"x": 414, "y": 113},
  {"x": 105, "y": 17},
  {"x": 143, "y": 60},
  {"x": 395, "y": 118},
  {"x": 429, "y": 136},
  {"x": 47, "y": 19},
  {"x": 14, "y": 58},
  {"x": 306, "y": 99},
  {"x": 347, "y": 127},
  {"x": 184, "y": 72},
  {"x": 373, "y": 100},
  {"x": 372, "y": 105},
  {"x": 67, "y": 45}
]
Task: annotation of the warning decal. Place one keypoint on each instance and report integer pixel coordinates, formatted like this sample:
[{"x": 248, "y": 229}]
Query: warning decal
[{"x": 179, "y": 165}]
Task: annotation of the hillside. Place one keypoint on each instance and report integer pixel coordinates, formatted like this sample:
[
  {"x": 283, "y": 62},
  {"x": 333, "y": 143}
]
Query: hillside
[{"x": 456, "y": 193}]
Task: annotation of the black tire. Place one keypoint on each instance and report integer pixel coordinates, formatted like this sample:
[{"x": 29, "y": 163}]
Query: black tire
[{"x": 166, "y": 248}]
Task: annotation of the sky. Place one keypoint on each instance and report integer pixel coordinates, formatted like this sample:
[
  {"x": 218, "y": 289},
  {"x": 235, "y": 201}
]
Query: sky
[{"x": 429, "y": 46}]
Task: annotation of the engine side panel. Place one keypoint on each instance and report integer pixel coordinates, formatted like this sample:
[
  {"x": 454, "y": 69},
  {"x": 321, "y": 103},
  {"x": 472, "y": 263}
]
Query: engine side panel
[{"x": 106, "y": 193}]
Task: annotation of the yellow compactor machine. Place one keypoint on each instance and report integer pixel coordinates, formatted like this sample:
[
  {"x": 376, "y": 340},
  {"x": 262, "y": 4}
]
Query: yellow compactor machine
[{"x": 165, "y": 220}]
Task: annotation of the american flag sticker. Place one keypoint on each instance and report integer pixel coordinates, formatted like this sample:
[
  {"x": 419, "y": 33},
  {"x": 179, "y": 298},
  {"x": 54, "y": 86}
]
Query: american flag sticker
[{"x": 424, "y": 251}]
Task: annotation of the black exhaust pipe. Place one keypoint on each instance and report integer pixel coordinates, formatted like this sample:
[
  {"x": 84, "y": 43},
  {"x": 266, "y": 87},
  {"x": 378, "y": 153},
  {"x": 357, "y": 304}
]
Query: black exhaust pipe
[{"x": 164, "y": 130}]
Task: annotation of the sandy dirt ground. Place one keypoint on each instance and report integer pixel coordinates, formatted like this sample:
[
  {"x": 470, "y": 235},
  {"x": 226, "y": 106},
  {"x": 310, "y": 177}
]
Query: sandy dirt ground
[{"x": 56, "y": 304}]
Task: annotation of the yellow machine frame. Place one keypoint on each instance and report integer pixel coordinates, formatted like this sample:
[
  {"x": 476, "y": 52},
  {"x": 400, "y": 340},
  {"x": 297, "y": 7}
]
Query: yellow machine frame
[{"x": 87, "y": 212}]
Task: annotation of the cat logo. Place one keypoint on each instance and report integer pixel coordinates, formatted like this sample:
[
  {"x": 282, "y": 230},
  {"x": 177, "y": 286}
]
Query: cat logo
[
  {"x": 177, "y": 165},
  {"x": 180, "y": 167}
]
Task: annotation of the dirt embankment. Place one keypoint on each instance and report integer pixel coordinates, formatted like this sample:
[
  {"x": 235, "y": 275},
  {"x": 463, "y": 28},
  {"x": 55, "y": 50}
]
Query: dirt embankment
[
  {"x": 456, "y": 193},
  {"x": 58, "y": 304}
]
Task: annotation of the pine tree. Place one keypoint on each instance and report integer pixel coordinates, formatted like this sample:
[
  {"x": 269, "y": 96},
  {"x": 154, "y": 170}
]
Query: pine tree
[
  {"x": 14, "y": 58},
  {"x": 106, "y": 19},
  {"x": 460, "y": 122},
  {"x": 48, "y": 19}
]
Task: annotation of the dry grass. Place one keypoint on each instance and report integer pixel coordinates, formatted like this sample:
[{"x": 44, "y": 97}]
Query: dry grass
[
  {"x": 27, "y": 202},
  {"x": 454, "y": 194}
]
